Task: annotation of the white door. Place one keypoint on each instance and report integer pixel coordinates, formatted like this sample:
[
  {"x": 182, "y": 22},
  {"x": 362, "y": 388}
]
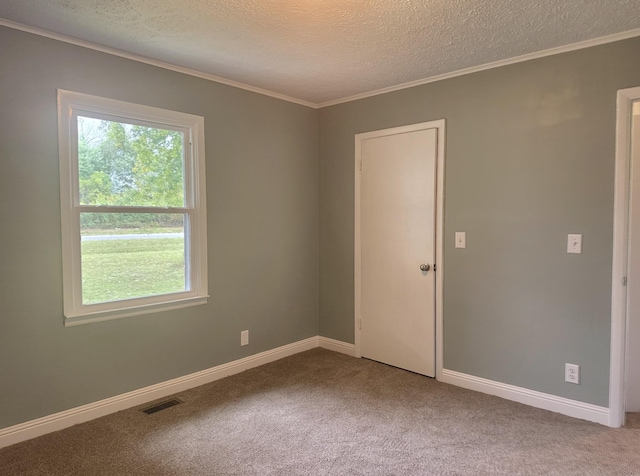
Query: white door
[{"x": 397, "y": 249}]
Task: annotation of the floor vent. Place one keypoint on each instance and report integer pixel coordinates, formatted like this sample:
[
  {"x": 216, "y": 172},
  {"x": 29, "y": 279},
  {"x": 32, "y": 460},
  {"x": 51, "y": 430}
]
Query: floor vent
[{"x": 162, "y": 406}]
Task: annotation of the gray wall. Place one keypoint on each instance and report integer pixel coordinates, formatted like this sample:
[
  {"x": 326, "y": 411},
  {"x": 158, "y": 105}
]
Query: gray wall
[
  {"x": 530, "y": 158},
  {"x": 262, "y": 225}
]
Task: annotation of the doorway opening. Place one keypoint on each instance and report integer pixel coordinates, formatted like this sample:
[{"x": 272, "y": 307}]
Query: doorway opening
[{"x": 624, "y": 379}]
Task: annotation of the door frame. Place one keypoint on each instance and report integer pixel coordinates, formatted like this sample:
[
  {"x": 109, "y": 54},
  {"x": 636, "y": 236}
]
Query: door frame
[
  {"x": 439, "y": 125},
  {"x": 621, "y": 222}
]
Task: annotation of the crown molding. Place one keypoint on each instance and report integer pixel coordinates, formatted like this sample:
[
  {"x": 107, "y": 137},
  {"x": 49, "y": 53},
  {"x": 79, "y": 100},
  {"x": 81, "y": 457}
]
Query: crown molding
[
  {"x": 152, "y": 62},
  {"x": 210, "y": 77},
  {"x": 496, "y": 64}
]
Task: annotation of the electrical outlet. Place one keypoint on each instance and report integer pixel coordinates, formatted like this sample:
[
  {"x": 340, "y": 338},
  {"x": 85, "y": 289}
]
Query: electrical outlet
[
  {"x": 572, "y": 373},
  {"x": 244, "y": 338}
]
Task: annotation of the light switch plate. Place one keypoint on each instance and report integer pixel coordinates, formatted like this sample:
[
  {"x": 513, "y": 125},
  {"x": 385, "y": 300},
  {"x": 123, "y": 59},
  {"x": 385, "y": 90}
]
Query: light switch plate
[
  {"x": 574, "y": 244},
  {"x": 461, "y": 239}
]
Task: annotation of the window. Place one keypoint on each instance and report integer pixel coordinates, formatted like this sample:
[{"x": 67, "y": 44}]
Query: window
[{"x": 132, "y": 186}]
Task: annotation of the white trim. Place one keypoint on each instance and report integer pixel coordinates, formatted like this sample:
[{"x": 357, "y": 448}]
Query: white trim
[
  {"x": 152, "y": 62},
  {"x": 565, "y": 406},
  {"x": 357, "y": 274},
  {"x": 71, "y": 105},
  {"x": 621, "y": 217},
  {"x": 439, "y": 220},
  {"x": 61, "y": 420},
  {"x": 439, "y": 125},
  {"x": 58, "y": 421},
  {"x": 496, "y": 64},
  {"x": 217, "y": 79},
  {"x": 337, "y": 346},
  {"x": 119, "y": 313}
]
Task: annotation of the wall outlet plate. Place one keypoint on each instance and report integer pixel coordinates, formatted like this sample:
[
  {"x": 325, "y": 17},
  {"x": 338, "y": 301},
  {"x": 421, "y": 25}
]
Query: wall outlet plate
[
  {"x": 572, "y": 373},
  {"x": 244, "y": 338}
]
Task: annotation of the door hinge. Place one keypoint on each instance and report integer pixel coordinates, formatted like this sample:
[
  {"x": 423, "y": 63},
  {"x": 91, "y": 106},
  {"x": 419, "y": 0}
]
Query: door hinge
[
  {"x": 624, "y": 281},
  {"x": 360, "y": 165},
  {"x": 359, "y": 324}
]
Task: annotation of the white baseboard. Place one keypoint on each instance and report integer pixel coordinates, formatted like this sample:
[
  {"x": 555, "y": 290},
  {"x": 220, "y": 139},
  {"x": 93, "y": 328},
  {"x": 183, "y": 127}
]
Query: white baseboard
[
  {"x": 58, "y": 421},
  {"x": 337, "y": 346},
  {"x": 572, "y": 408}
]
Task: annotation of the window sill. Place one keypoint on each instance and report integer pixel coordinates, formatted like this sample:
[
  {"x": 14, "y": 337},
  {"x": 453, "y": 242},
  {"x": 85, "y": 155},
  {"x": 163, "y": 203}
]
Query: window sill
[{"x": 98, "y": 316}]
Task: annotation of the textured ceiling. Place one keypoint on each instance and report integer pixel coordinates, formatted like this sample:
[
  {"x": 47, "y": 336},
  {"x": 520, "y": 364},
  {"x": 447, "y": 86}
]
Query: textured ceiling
[{"x": 323, "y": 50}]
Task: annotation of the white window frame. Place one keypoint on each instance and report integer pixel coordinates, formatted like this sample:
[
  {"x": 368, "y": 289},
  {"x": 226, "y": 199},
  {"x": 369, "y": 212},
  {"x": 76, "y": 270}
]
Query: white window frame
[{"x": 70, "y": 106}]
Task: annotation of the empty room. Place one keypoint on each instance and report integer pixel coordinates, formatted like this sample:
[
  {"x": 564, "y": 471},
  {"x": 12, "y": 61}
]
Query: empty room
[{"x": 319, "y": 237}]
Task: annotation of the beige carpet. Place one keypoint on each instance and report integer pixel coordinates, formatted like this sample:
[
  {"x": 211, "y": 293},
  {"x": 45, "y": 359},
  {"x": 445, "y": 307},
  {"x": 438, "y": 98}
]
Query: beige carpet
[
  {"x": 632, "y": 420},
  {"x": 322, "y": 413}
]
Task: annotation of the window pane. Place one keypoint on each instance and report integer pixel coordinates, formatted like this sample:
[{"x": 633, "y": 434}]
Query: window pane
[
  {"x": 130, "y": 255},
  {"x": 129, "y": 165}
]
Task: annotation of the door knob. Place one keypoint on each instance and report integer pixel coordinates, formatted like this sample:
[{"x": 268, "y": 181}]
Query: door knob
[{"x": 425, "y": 267}]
